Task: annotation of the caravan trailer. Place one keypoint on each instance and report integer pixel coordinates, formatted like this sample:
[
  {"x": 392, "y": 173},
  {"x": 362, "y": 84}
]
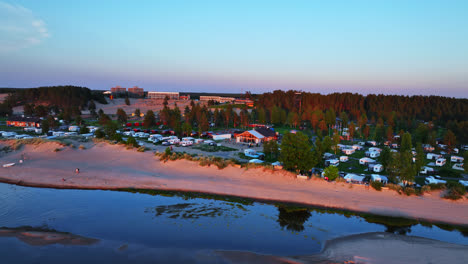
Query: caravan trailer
[
  {"x": 440, "y": 162},
  {"x": 456, "y": 159}
]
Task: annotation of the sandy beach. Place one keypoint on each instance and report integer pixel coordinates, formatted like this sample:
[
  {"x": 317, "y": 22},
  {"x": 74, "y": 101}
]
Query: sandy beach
[
  {"x": 104, "y": 166},
  {"x": 368, "y": 248}
]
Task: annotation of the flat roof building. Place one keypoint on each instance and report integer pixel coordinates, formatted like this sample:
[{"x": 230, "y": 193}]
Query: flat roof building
[
  {"x": 118, "y": 89},
  {"x": 135, "y": 90},
  {"x": 218, "y": 99},
  {"x": 162, "y": 95}
]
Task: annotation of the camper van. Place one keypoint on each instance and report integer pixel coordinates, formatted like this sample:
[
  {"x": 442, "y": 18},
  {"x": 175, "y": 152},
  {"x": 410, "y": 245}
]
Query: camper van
[
  {"x": 186, "y": 143},
  {"x": 440, "y": 162}
]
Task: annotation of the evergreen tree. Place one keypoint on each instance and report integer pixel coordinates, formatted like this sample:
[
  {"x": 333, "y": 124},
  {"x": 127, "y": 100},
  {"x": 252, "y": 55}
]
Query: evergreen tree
[
  {"x": 406, "y": 144},
  {"x": 385, "y": 157},
  {"x": 45, "y": 126},
  {"x": 121, "y": 115},
  {"x": 187, "y": 129},
  {"x": 137, "y": 112},
  {"x": 450, "y": 139},
  {"x": 419, "y": 158},
  {"x": 127, "y": 101},
  {"x": 150, "y": 119}
]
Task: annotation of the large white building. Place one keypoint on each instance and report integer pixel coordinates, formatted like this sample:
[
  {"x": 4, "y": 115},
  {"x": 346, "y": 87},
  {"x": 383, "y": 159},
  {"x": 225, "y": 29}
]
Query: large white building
[
  {"x": 218, "y": 99},
  {"x": 162, "y": 95}
]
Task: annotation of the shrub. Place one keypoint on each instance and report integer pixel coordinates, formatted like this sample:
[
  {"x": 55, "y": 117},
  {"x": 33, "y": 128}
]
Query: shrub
[
  {"x": 81, "y": 147},
  {"x": 131, "y": 141},
  {"x": 425, "y": 189},
  {"x": 99, "y": 133},
  {"x": 437, "y": 186},
  {"x": 376, "y": 185},
  {"x": 57, "y": 150},
  {"x": 141, "y": 149},
  {"x": 339, "y": 179},
  {"x": 409, "y": 191},
  {"x": 331, "y": 172},
  {"x": 455, "y": 191},
  {"x": 395, "y": 187}
]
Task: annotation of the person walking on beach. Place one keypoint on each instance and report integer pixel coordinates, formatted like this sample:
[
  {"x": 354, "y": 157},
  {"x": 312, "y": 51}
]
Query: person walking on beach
[{"x": 77, "y": 170}]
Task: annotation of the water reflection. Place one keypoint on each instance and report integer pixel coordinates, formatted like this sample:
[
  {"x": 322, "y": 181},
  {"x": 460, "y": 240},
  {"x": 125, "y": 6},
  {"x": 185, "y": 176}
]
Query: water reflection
[
  {"x": 197, "y": 210},
  {"x": 293, "y": 219}
]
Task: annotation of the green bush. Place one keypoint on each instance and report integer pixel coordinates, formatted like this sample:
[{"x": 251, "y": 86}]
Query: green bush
[
  {"x": 455, "y": 191},
  {"x": 99, "y": 133},
  {"x": 395, "y": 187},
  {"x": 141, "y": 149},
  {"x": 331, "y": 172},
  {"x": 131, "y": 141},
  {"x": 409, "y": 191},
  {"x": 437, "y": 186},
  {"x": 376, "y": 185},
  {"x": 425, "y": 189}
]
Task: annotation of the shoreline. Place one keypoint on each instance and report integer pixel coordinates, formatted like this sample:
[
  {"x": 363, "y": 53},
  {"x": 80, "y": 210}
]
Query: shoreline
[
  {"x": 232, "y": 198},
  {"x": 112, "y": 167}
]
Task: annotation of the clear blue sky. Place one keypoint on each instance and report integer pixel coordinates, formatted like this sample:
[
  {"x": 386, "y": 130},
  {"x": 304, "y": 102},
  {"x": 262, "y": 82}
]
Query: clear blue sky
[{"x": 390, "y": 47}]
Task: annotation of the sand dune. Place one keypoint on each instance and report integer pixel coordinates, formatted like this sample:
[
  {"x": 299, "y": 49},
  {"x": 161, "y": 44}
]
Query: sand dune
[{"x": 105, "y": 166}]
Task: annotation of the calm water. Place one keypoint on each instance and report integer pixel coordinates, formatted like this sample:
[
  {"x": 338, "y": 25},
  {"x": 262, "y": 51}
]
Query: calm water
[{"x": 143, "y": 228}]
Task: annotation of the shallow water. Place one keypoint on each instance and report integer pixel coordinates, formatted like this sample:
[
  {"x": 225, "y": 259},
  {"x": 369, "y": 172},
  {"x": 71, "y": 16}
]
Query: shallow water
[{"x": 132, "y": 227}]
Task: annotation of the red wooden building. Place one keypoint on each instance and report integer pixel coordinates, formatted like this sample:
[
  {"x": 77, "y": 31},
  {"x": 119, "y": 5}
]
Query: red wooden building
[{"x": 19, "y": 121}]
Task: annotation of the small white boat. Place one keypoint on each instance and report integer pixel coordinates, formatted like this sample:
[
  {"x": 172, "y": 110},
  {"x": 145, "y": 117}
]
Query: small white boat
[
  {"x": 8, "y": 165},
  {"x": 302, "y": 177}
]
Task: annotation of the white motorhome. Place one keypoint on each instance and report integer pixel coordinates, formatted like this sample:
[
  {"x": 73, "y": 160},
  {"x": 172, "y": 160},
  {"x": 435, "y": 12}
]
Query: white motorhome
[
  {"x": 456, "y": 159},
  {"x": 186, "y": 143},
  {"x": 222, "y": 136},
  {"x": 344, "y": 158},
  {"x": 440, "y": 162},
  {"x": 372, "y": 143}
]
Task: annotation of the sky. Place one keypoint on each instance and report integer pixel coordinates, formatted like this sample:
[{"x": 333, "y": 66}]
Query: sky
[{"x": 374, "y": 46}]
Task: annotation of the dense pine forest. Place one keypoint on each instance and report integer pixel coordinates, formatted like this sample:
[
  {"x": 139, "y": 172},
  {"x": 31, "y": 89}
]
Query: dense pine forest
[
  {"x": 57, "y": 98},
  {"x": 393, "y": 112}
]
